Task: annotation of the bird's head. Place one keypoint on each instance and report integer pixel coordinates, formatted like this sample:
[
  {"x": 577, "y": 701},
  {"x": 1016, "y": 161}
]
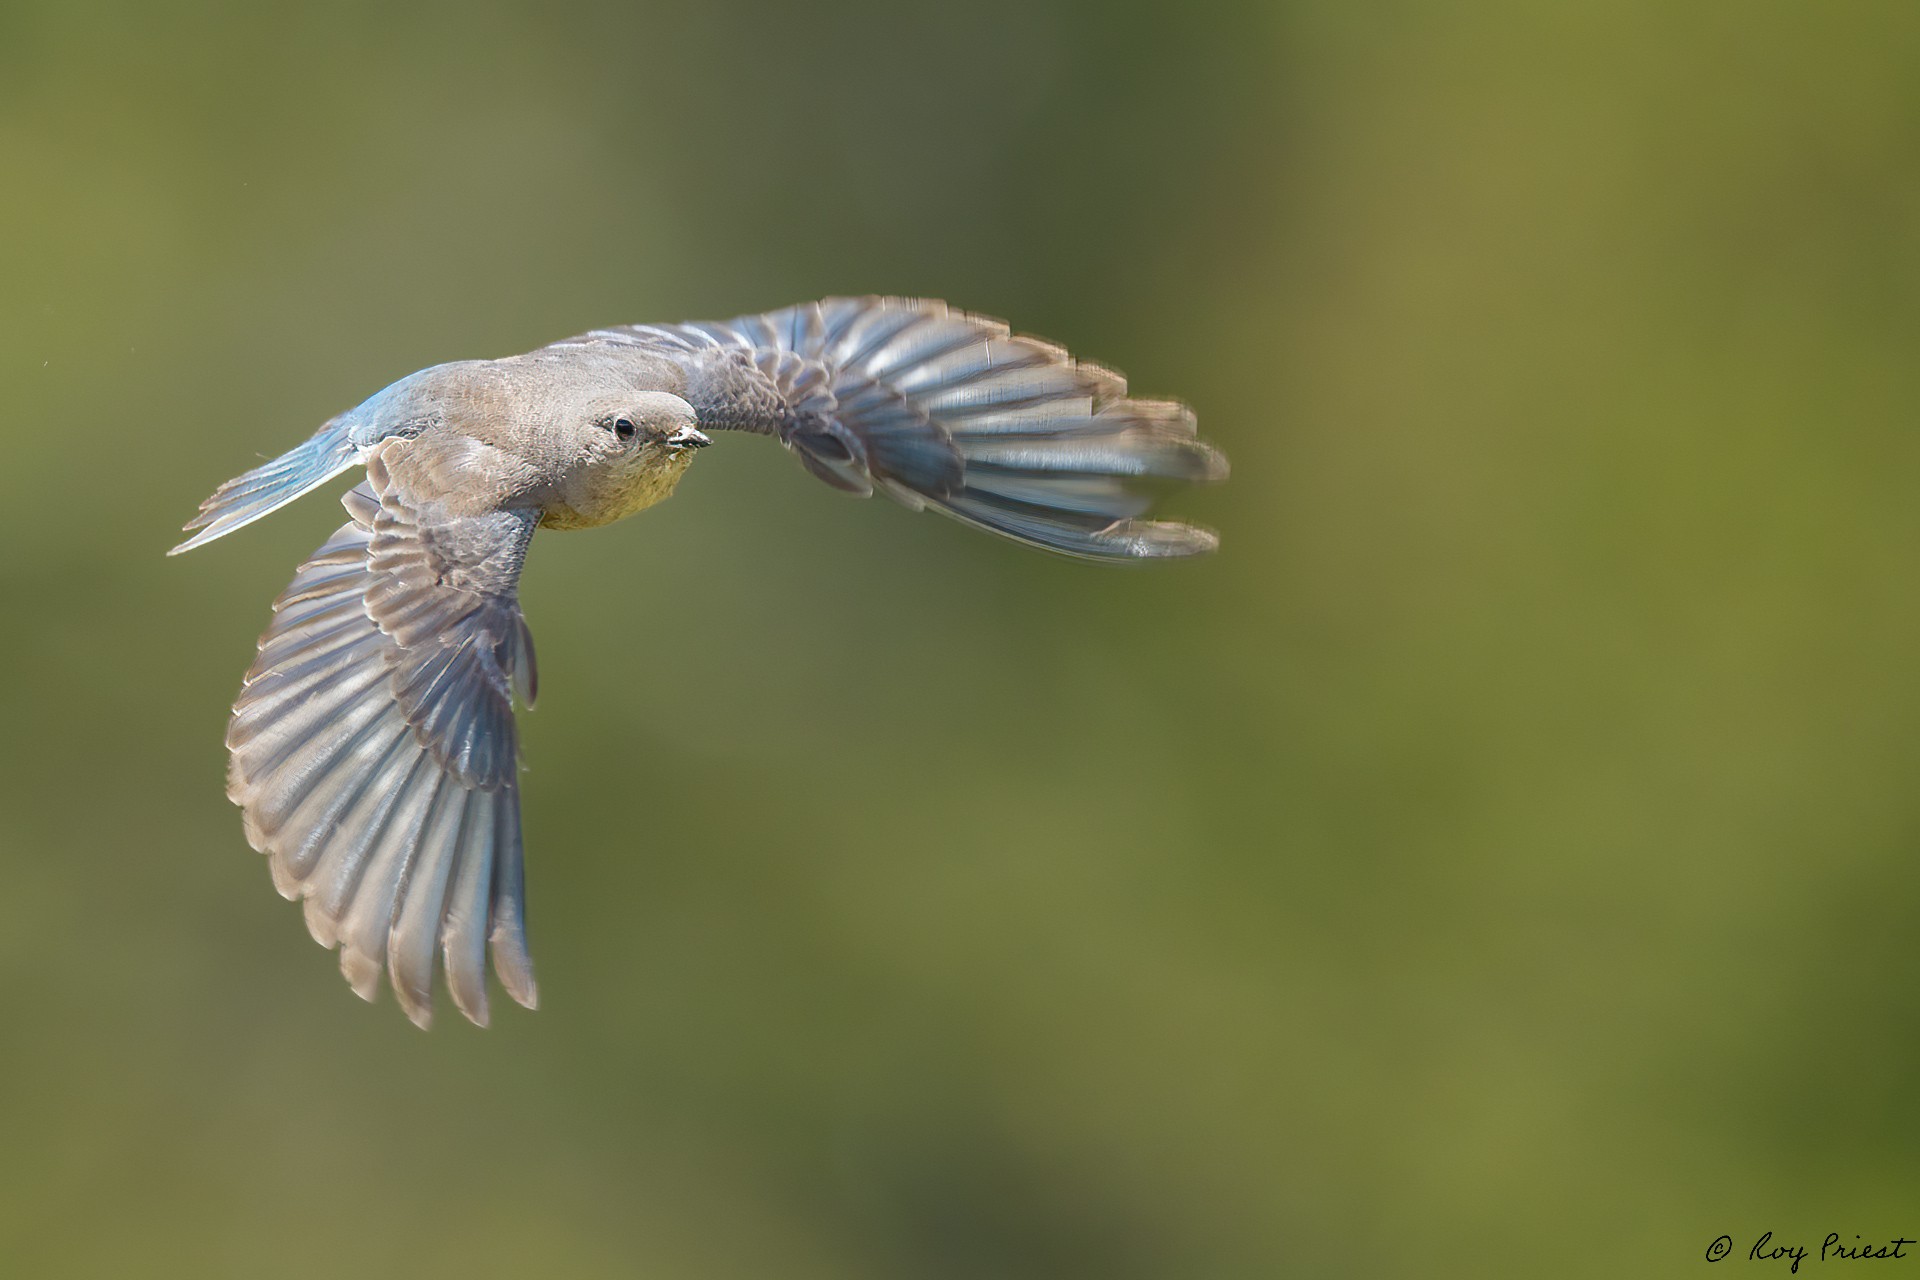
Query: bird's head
[{"x": 631, "y": 448}]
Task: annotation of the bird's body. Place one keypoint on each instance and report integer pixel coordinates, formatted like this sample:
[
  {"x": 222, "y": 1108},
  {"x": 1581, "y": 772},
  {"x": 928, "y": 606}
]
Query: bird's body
[{"x": 373, "y": 747}]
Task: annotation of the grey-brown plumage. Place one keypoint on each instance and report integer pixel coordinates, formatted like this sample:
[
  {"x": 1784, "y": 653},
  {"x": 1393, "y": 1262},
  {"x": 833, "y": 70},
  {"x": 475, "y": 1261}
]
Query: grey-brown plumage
[{"x": 373, "y": 751}]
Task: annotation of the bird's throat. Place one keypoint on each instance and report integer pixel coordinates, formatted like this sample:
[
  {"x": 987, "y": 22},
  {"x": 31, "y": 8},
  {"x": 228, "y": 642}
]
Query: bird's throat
[{"x": 605, "y": 494}]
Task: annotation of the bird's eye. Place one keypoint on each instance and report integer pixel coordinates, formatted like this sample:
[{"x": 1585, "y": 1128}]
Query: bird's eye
[{"x": 623, "y": 427}]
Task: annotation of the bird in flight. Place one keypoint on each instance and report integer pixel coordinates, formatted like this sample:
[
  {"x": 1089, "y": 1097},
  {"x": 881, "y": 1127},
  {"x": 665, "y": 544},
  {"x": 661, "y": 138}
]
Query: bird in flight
[{"x": 373, "y": 751}]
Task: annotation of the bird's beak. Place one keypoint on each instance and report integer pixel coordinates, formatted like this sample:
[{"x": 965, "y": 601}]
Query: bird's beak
[{"x": 688, "y": 438}]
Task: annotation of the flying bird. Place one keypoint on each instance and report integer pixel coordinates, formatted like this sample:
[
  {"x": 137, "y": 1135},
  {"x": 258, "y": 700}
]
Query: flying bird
[{"x": 373, "y": 750}]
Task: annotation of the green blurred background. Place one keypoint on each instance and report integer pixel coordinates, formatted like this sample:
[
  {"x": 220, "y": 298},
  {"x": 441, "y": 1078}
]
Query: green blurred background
[{"x": 1499, "y": 860}]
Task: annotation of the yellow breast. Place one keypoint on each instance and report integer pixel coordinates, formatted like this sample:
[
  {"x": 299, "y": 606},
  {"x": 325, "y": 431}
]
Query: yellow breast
[{"x": 604, "y": 495}]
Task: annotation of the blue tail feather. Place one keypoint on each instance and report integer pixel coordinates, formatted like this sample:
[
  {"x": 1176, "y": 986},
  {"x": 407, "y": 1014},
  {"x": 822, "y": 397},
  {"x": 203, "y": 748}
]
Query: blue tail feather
[{"x": 244, "y": 499}]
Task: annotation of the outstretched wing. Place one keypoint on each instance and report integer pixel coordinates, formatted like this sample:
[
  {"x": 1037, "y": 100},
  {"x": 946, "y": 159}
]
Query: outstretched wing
[
  {"x": 940, "y": 408},
  {"x": 374, "y": 752}
]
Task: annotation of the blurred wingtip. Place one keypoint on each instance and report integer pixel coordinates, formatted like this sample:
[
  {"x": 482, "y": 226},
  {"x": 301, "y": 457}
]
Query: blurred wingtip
[
  {"x": 520, "y": 986},
  {"x": 1203, "y": 542},
  {"x": 507, "y": 943},
  {"x": 361, "y": 971},
  {"x": 516, "y": 977},
  {"x": 415, "y": 1001},
  {"x": 1156, "y": 540},
  {"x": 286, "y": 882},
  {"x": 321, "y": 925},
  {"x": 475, "y": 1011}
]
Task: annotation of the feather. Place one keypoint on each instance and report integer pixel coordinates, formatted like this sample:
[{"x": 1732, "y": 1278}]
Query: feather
[
  {"x": 508, "y": 931},
  {"x": 463, "y": 930},
  {"x": 374, "y": 751},
  {"x": 369, "y": 914},
  {"x": 939, "y": 408},
  {"x": 267, "y": 488},
  {"x": 415, "y": 932}
]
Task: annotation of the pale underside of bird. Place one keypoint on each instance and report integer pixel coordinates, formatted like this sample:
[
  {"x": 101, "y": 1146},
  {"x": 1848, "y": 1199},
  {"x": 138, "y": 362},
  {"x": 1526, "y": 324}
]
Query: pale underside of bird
[{"x": 373, "y": 749}]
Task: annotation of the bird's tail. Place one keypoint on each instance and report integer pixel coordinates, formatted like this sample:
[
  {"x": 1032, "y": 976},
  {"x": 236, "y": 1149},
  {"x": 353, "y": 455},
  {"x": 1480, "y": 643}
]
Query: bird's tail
[
  {"x": 244, "y": 499},
  {"x": 939, "y": 408}
]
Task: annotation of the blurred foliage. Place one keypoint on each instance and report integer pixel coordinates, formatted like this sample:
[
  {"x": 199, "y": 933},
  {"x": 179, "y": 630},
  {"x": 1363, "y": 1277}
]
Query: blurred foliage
[{"x": 1499, "y": 860}]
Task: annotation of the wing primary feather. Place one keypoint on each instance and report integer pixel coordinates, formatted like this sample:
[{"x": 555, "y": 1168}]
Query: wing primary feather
[
  {"x": 508, "y": 934},
  {"x": 316, "y": 821},
  {"x": 364, "y": 931},
  {"x": 464, "y": 929},
  {"x": 342, "y": 865},
  {"x": 415, "y": 931}
]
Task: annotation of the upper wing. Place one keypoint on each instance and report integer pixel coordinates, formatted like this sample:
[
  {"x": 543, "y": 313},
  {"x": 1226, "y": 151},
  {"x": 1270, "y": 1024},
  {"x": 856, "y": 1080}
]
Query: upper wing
[
  {"x": 944, "y": 409},
  {"x": 374, "y": 752}
]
